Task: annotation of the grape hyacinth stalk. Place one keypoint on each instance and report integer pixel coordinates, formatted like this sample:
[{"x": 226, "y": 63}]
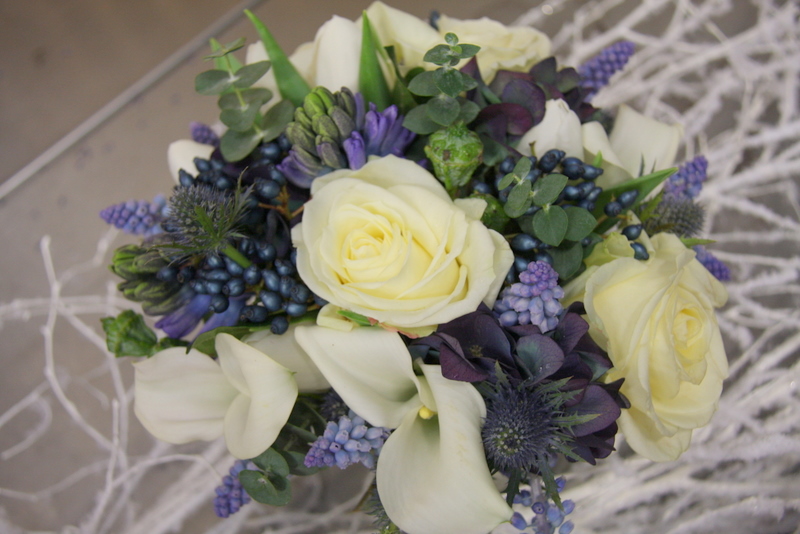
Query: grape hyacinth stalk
[
  {"x": 596, "y": 73},
  {"x": 534, "y": 300}
]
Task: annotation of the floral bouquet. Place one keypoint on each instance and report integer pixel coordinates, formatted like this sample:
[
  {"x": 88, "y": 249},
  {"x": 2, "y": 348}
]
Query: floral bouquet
[{"x": 417, "y": 246}]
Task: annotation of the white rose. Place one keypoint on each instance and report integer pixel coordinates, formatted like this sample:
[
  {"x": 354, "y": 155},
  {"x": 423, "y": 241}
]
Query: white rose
[
  {"x": 387, "y": 242},
  {"x": 656, "y": 319},
  {"x": 514, "y": 48}
]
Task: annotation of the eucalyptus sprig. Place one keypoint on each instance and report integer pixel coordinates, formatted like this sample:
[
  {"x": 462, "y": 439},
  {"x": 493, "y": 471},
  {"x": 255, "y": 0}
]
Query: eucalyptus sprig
[
  {"x": 443, "y": 85},
  {"x": 241, "y": 103}
]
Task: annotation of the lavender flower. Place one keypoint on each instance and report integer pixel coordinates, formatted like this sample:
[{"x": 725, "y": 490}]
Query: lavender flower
[
  {"x": 532, "y": 301},
  {"x": 596, "y": 72},
  {"x": 137, "y": 217}
]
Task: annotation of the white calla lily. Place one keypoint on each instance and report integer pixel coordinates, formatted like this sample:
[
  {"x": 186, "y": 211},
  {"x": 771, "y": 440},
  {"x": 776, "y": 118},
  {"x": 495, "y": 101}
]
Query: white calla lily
[
  {"x": 181, "y": 154},
  {"x": 285, "y": 350},
  {"x": 247, "y": 396},
  {"x": 560, "y": 128},
  {"x": 432, "y": 473}
]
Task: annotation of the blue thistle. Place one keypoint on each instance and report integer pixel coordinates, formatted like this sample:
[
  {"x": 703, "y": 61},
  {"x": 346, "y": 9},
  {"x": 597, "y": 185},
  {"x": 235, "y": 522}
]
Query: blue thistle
[
  {"x": 202, "y": 133},
  {"x": 347, "y": 441},
  {"x": 688, "y": 181},
  {"x": 714, "y": 265},
  {"x": 231, "y": 496},
  {"x": 534, "y": 300},
  {"x": 138, "y": 217},
  {"x": 597, "y": 71},
  {"x": 677, "y": 215}
]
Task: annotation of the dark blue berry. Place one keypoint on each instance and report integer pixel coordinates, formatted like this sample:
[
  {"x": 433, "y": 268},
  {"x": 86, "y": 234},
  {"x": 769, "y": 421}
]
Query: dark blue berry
[
  {"x": 632, "y": 232},
  {"x": 266, "y": 251},
  {"x": 214, "y": 262},
  {"x": 270, "y": 151},
  {"x": 545, "y": 257},
  {"x": 533, "y": 175},
  {"x": 247, "y": 246},
  {"x": 199, "y": 286},
  {"x": 612, "y": 209},
  {"x": 254, "y": 314},
  {"x": 203, "y": 165},
  {"x": 628, "y": 198},
  {"x": 520, "y": 263},
  {"x": 507, "y": 165},
  {"x": 294, "y": 309},
  {"x": 186, "y": 274},
  {"x": 271, "y": 300},
  {"x": 232, "y": 267},
  {"x": 284, "y": 267},
  {"x": 300, "y": 294},
  {"x": 585, "y": 189},
  {"x": 252, "y": 275},
  {"x": 219, "y": 303},
  {"x": 284, "y": 143},
  {"x": 267, "y": 189},
  {"x": 595, "y": 192},
  {"x": 287, "y": 283},
  {"x": 523, "y": 243},
  {"x": 271, "y": 279},
  {"x": 185, "y": 179},
  {"x": 572, "y": 192},
  {"x": 639, "y": 252},
  {"x": 590, "y": 172},
  {"x": 586, "y": 204},
  {"x": 277, "y": 176},
  {"x": 212, "y": 287},
  {"x": 217, "y": 275},
  {"x": 168, "y": 274},
  {"x": 280, "y": 325},
  {"x": 233, "y": 287},
  {"x": 319, "y": 301},
  {"x": 482, "y": 188},
  {"x": 550, "y": 159}
]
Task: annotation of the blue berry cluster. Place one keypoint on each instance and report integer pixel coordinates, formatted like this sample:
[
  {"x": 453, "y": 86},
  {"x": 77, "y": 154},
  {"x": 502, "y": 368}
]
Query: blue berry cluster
[
  {"x": 714, "y": 265},
  {"x": 202, "y": 133},
  {"x": 688, "y": 181},
  {"x": 137, "y": 217},
  {"x": 231, "y": 496},
  {"x": 548, "y": 518},
  {"x": 347, "y": 441},
  {"x": 534, "y": 300},
  {"x": 596, "y": 72},
  {"x": 632, "y": 232}
]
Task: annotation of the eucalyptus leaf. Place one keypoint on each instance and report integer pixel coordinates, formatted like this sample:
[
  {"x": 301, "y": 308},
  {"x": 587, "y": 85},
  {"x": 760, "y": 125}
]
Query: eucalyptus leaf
[
  {"x": 272, "y": 462},
  {"x": 567, "y": 261},
  {"x": 275, "y": 120},
  {"x": 469, "y": 110},
  {"x": 507, "y": 180},
  {"x": 220, "y": 51},
  {"x": 519, "y": 199},
  {"x": 266, "y": 489},
  {"x": 371, "y": 81},
  {"x": 468, "y": 83},
  {"x": 581, "y": 223},
  {"x": 438, "y": 55},
  {"x": 292, "y": 86},
  {"x": 547, "y": 188},
  {"x": 522, "y": 168},
  {"x": 449, "y": 81},
  {"x": 213, "y": 82},
  {"x": 417, "y": 121},
  {"x": 236, "y": 146},
  {"x": 295, "y": 461},
  {"x": 239, "y": 119},
  {"x": 251, "y": 73},
  {"x": 424, "y": 84},
  {"x": 550, "y": 225},
  {"x": 222, "y": 62},
  {"x": 253, "y": 95},
  {"x": 468, "y": 50},
  {"x": 443, "y": 109}
]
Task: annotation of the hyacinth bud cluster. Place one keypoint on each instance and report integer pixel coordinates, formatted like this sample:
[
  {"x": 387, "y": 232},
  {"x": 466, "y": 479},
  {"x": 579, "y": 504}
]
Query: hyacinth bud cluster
[
  {"x": 231, "y": 496},
  {"x": 348, "y": 441},
  {"x": 534, "y": 300},
  {"x": 335, "y": 131},
  {"x": 596, "y": 72},
  {"x": 137, "y": 217}
]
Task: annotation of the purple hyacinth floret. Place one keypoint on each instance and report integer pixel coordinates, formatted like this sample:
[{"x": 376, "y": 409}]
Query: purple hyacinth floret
[
  {"x": 597, "y": 71},
  {"x": 231, "y": 496},
  {"x": 137, "y": 217},
  {"x": 202, "y": 133},
  {"x": 347, "y": 441},
  {"x": 714, "y": 265},
  {"x": 534, "y": 300},
  {"x": 547, "y": 517},
  {"x": 688, "y": 181},
  {"x": 182, "y": 321}
]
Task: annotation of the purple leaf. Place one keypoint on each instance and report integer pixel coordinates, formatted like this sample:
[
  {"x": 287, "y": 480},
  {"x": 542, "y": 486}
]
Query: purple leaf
[{"x": 540, "y": 355}]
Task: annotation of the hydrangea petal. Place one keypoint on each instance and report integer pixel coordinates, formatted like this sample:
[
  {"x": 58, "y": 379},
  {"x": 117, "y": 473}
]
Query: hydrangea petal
[
  {"x": 432, "y": 474},
  {"x": 180, "y": 396}
]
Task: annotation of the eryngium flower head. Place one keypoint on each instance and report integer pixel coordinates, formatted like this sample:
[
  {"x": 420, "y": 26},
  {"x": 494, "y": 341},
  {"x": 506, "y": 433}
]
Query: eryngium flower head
[
  {"x": 205, "y": 219},
  {"x": 680, "y": 216}
]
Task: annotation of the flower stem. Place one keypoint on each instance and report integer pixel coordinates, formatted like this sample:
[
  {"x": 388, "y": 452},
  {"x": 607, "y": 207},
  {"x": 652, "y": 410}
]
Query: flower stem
[{"x": 236, "y": 256}]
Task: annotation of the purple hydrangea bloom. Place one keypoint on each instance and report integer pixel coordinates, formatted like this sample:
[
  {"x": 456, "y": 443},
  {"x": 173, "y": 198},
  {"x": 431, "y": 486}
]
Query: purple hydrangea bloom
[
  {"x": 347, "y": 441},
  {"x": 534, "y": 300},
  {"x": 596, "y": 72}
]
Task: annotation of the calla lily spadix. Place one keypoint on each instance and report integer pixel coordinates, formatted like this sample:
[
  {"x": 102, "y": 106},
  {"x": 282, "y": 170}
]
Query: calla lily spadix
[
  {"x": 432, "y": 475},
  {"x": 185, "y": 396}
]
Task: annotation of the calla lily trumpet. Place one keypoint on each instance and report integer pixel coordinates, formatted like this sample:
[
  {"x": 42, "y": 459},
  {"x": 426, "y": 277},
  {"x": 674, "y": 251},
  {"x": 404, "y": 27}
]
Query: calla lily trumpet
[
  {"x": 185, "y": 396},
  {"x": 432, "y": 474}
]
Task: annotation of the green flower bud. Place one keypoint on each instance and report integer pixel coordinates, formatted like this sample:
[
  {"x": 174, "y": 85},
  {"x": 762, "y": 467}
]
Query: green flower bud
[
  {"x": 331, "y": 155},
  {"x": 302, "y": 117},
  {"x": 301, "y": 136},
  {"x": 344, "y": 122},
  {"x": 324, "y": 125},
  {"x": 455, "y": 152},
  {"x": 325, "y": 96},
  {"x": 314, "y": 105}
]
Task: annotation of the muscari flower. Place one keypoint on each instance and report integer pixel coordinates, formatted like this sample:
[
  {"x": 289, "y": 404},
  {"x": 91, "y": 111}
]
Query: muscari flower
[
  {"x": 336, "y": 131},
  {"x": 432, "y": 474},
  {"x": 688, "y": 181},
  {"x": 346, "y": 441},
  {"x": 137, "y": 217},
  {"x": 597, "y": 71},
  {"x": 231, "y": 496},
  {"x": 534, "y": 300}
]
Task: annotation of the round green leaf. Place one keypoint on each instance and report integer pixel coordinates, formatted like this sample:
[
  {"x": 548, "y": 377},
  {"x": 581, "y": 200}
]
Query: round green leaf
[
  {"x": 239, "y": 119},
  {"x": 265, "y": 488},
  {"x": 424, "y": 84},
  {"x": 254, "y": 95},
  {"x": 581, "y": 223},
  {"x": 271, "y": 461},
  {"x": 550, "y": 225},
  {"x": 276, "y": 119},
  {"x": 469, "y": 110},
  {"x": 417, "y": 121},
  {"x": 567, "y": 261},
  {"x": 443, "y": 109},
  {"x": 250, "y": 74},
  {"x": 547, "y": 188},
  {"x": 518, "y": 199},
  {"x": 213, "y": 82},
  {"x": 450, "y": 81},
  {"x": 236, "y": 146}
]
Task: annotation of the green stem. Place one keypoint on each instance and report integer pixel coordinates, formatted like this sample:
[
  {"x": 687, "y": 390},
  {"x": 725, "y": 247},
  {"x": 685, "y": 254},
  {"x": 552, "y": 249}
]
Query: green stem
[{"x": 236, "y": 256}]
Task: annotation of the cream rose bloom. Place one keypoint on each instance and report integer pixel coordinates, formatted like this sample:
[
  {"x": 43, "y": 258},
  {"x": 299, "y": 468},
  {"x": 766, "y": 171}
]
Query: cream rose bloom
[
  {"x": 656, "y": 319},
  {"x": 387, "y": 242}
]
